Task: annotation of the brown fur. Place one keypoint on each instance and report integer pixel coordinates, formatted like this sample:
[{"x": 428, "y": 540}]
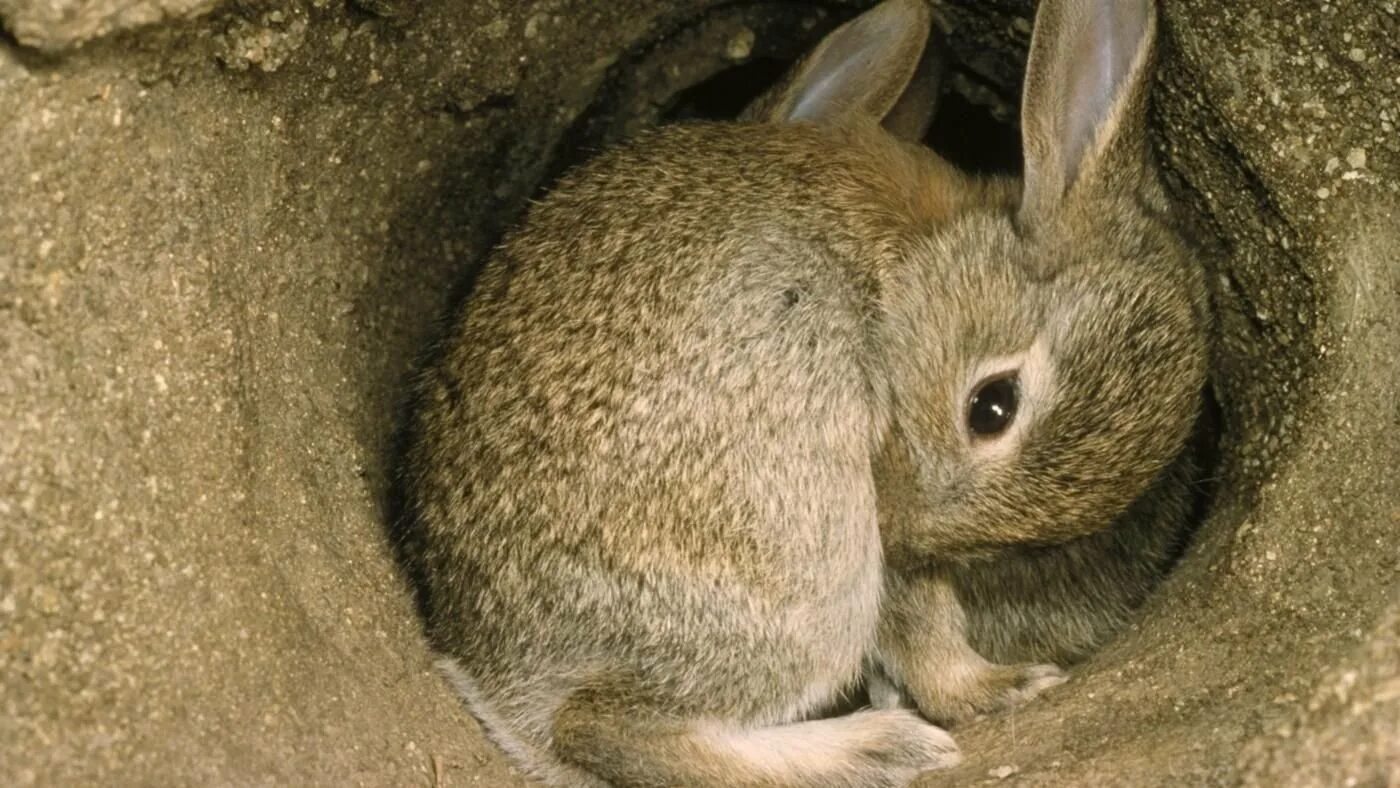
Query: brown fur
[
  {"x": 698, "y": 425},
  {"x": 1091, "y": 502}
]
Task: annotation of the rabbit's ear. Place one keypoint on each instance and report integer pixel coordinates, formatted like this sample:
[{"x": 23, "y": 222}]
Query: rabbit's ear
[
  {"x": 912, "y": 114},
  {"x": 874, "y": 65},
  {"x": 1083, "y": 114}
]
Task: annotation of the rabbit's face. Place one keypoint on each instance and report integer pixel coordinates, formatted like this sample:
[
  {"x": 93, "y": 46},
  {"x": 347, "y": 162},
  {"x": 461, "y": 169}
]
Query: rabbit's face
[
  {"x": 1049, "y": 348},
  {"x": 1050, "y": 375}
]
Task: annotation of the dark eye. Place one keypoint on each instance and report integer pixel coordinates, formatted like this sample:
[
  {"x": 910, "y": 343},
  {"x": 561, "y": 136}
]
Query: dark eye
[{"x": 993, "y": 406}]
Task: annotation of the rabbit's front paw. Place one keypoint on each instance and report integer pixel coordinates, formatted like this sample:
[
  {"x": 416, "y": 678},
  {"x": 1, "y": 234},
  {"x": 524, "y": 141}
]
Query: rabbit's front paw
[{"x": 987, "y": 688}]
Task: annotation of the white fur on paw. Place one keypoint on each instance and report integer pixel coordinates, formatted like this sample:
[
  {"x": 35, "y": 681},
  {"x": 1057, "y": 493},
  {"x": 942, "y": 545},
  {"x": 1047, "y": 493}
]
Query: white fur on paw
[
  {"x": 1038, "y": 678},
  {"x": 943, "y": 751},
  {"x": 918, "y": 744}
]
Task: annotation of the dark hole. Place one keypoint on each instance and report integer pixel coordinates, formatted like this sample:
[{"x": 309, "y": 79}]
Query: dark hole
[
  {"x": 724, "y": 96},
  {"x": 967, "y": 135},
  {"x": 963, "y": 132}
]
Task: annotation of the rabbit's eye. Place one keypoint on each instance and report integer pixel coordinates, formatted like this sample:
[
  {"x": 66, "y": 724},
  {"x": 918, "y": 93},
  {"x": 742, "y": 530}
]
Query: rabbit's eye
[{"x": 993, "y": 406}]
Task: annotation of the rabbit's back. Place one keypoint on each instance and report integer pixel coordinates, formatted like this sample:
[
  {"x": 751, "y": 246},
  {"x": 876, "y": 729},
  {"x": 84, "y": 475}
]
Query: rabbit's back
[{"x": 648, "y": 441}]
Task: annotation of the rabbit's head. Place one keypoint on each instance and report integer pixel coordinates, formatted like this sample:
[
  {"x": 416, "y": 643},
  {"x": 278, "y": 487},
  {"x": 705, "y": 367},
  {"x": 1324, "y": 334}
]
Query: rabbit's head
[{"x": 1048, "y": 353}]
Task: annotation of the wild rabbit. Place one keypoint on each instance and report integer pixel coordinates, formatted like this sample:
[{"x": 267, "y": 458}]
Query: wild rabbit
[
  {"x": 1082, "y": 293},
  {"x": 732, "y": 385}
]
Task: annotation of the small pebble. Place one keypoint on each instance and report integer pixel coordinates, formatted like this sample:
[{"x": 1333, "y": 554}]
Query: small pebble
[
  {"x": 740, "y": 46},
  {"x": 496, "y": 29}
]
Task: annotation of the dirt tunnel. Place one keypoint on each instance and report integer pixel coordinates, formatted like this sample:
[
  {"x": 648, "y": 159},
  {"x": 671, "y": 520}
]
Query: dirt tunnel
[{"x": 226, "y": 231}]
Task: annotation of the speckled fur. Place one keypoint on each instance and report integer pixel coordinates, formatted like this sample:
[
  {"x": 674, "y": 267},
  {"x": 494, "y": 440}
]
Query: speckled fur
[
  {"x": 696, "y": 432},
  {"x": 1041, "y": 554}
]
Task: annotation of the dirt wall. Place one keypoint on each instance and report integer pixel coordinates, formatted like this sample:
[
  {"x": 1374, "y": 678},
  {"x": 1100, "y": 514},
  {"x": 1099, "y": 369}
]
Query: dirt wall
[{"x": 224, "y": 237}]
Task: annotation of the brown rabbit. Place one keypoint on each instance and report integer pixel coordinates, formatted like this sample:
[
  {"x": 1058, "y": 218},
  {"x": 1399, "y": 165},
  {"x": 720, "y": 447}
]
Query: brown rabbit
[
  {"x": 724, "y": 376},
  {"x": 1024, "y": 521}
]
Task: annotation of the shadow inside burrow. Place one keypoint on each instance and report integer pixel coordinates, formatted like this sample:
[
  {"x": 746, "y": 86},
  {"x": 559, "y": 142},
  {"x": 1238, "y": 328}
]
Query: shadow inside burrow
[{"x": 454, "y": 251}]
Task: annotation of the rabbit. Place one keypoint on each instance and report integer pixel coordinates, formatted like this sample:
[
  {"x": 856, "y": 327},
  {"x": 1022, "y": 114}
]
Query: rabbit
[
  {"x": 719, "y": 410},
  {"x": 1009, "y": 552}
]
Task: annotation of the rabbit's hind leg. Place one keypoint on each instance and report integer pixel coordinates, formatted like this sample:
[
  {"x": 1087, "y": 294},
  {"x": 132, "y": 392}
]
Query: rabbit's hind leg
[{"x": 613, "y": 730}]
